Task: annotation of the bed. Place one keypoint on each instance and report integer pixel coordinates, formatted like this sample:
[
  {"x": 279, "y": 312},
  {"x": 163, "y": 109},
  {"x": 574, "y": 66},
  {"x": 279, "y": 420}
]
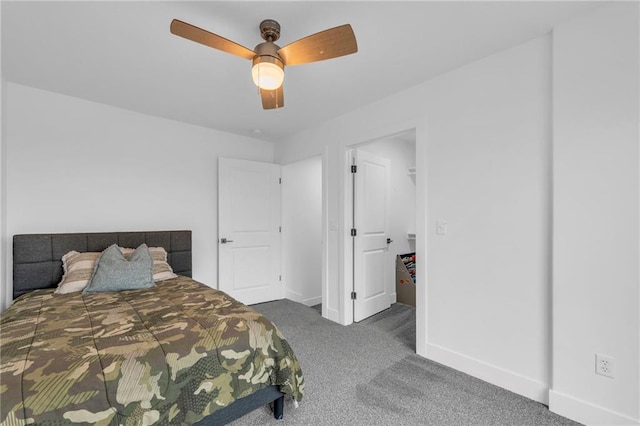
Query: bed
[{"x": 178, "y": 352}]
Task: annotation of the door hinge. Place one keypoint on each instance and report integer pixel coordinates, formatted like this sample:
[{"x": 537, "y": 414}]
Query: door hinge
[
  {"x": 354, "y": 169},
  {"x": 353, "y": 295},
  {"x": 279, "y": 277},
  {"x": 279, "y": 228},
  {"x": 353, "y": 232},
  {"x": 280, "y": 180}
]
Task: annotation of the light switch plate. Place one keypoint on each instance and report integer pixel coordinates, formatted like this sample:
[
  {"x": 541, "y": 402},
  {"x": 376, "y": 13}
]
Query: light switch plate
[{"x": 442, "y": 227}]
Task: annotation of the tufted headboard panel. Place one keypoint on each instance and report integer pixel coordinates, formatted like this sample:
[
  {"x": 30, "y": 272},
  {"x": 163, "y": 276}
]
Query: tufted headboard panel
[{"x": 37, "y": 257}]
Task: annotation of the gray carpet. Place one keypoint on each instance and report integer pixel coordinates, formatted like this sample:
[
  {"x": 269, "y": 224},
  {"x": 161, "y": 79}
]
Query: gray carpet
[{"x": 368, "y": 374}]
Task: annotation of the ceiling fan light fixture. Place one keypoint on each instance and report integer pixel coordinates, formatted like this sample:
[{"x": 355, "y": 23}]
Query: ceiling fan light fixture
[
  {"x": 267, "y": 72},
  {"x": 269, "y": 59}
]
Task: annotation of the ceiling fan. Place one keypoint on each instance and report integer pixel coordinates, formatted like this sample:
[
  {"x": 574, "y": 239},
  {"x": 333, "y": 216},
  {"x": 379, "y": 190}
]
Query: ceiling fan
[{"x": 269, "y": 59}]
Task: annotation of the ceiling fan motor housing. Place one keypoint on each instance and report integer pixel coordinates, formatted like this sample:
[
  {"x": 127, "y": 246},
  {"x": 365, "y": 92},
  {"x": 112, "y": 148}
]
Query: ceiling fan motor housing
[
  {"x": 270, "y": 30},
  {"x": 268, "y": 52}
]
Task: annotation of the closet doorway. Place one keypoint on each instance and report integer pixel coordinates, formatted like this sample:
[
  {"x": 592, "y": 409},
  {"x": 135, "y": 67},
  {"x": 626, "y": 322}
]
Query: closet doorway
[
  {"x": 302, "y": 231},
  {"x": 398, "y": 200}
]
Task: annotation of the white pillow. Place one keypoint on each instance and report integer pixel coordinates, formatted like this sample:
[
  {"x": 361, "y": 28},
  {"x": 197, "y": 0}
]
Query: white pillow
[
  {"x": 161, "y": 268},
  {"x": 78, "y": 268}
]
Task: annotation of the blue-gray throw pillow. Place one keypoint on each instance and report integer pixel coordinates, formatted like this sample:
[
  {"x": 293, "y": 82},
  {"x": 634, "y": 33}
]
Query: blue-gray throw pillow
[{"x": 114, "y": 272}]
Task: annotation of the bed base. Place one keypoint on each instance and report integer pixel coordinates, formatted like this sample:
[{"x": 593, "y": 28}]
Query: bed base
[{"x": 245, "y": 405}]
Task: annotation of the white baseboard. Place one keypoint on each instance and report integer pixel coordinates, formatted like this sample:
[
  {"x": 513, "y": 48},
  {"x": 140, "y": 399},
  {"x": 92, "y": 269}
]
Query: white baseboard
[
  {"x": 312, "y": 301},
  {"x": 297, "y": 297},
  {"x": 495, "y": 375},
  {"x": 333, "y": 315},
  {"x": 292, "y": 295},
  {"x": 585, "y": 412}
]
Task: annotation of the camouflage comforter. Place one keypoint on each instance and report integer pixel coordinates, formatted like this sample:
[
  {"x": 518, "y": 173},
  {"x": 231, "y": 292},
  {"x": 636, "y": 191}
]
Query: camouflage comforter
[{"x": 171, "y": 354}]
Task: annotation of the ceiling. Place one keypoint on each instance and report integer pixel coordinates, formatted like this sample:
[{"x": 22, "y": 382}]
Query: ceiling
[{"x": 122, "y": 54}]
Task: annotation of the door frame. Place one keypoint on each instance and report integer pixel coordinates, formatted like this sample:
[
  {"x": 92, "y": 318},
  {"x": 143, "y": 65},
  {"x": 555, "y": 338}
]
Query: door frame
[{"x": 347, "y": 257}]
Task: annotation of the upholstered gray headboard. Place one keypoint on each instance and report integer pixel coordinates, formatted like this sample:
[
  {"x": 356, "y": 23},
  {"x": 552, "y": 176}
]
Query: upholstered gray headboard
[{"x": 37, "y": 257}]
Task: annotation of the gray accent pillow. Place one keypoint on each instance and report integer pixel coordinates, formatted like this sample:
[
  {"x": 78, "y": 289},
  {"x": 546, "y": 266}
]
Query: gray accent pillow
[{"x": 114, "y": 272}]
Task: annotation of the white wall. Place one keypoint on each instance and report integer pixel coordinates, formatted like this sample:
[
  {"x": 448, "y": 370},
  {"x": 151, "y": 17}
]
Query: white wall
[
  {"x": 79, "y": 166},
  {"x": 488, "y": 175},
  {"x": 3, "y": 170},
  {"x": 483, "y": 139},
  {"x": 302, "y": 230},
  {"x": 596, "y": 253}
]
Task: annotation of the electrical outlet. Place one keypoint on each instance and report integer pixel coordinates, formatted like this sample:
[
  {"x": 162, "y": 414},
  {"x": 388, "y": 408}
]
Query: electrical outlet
[{"x": 605, "y": 365}]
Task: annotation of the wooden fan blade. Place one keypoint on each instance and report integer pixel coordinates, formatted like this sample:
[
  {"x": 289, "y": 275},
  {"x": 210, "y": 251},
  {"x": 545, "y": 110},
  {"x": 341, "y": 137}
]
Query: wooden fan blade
[
  {"x": 327, "y": 44},
  {"x": 193, "y": 33},
  {"x": 272, "y": 99}
]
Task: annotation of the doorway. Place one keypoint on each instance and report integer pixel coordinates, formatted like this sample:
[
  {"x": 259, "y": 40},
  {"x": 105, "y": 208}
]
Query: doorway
[
  {"x": 399, "y": 227},
  {"x": 302, "y": 231}
]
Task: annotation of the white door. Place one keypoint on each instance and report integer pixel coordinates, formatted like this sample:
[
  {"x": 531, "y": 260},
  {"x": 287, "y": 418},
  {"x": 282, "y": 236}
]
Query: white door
[
  {"x": 249, "y": 246},
  {"x": 370, "y": 263}
]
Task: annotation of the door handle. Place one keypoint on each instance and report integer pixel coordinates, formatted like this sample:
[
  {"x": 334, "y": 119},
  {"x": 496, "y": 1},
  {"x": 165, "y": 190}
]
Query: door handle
[
  {"x": 225, "y": 241},
  {"x": 389, "y": 240}
]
